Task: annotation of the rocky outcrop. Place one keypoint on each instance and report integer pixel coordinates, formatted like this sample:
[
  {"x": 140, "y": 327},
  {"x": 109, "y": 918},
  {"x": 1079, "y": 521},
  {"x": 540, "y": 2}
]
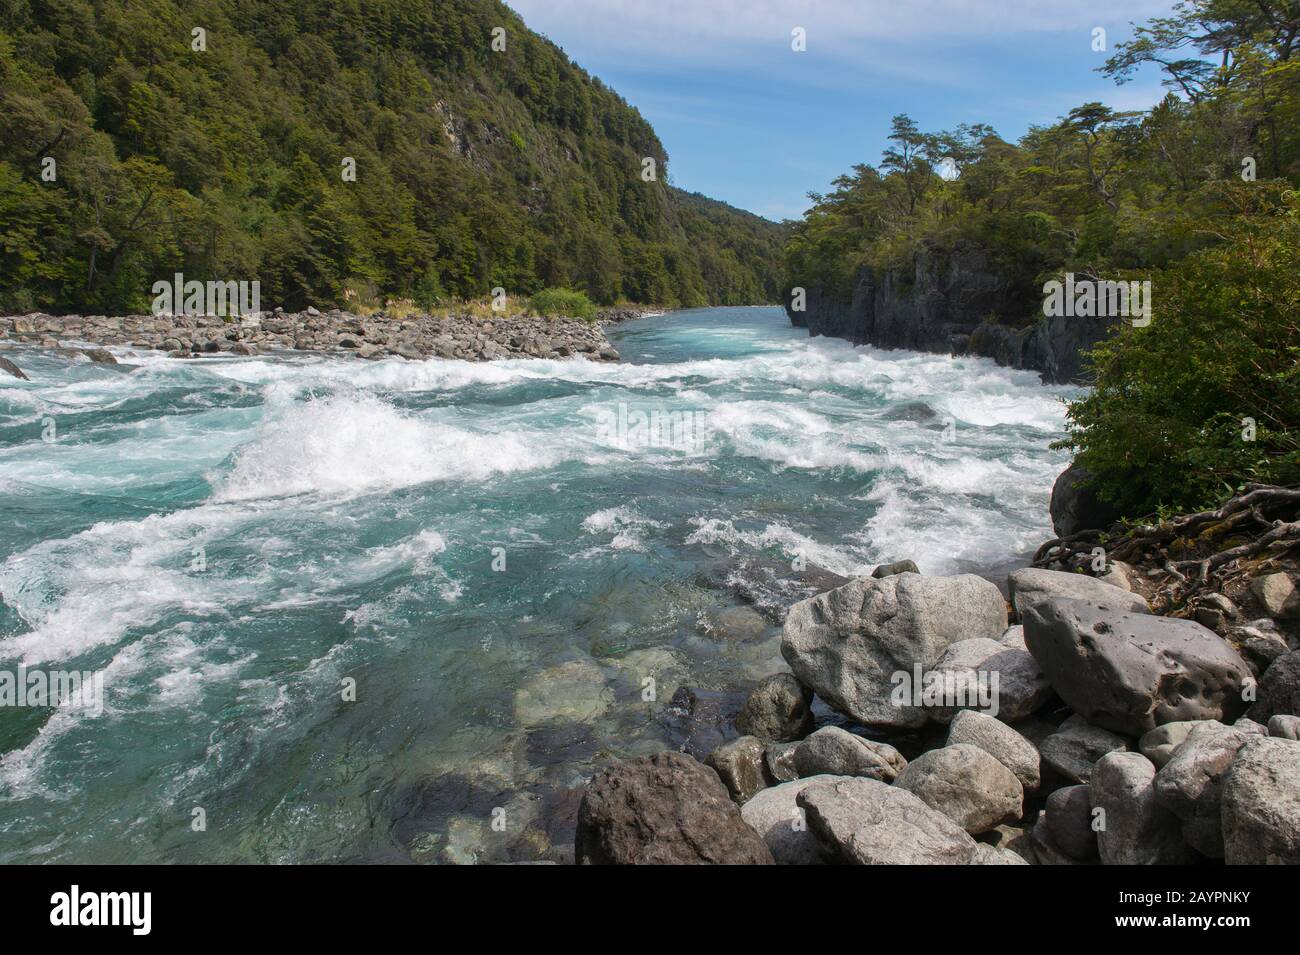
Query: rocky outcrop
[
  {"x": 849, "y": 644},
  {"x": 663, "y": 809},
  {"x": 942, "y": 304}
]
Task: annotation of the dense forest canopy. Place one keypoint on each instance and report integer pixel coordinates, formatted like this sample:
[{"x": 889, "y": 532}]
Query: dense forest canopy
[
  {"x": 132, "y": 147},
  {"x": 1197, "y": 195}
]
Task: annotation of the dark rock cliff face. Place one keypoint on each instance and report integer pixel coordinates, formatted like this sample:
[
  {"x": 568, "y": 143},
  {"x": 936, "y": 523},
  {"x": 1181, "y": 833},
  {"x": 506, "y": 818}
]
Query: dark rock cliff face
[{"x": 949, "y": 303}]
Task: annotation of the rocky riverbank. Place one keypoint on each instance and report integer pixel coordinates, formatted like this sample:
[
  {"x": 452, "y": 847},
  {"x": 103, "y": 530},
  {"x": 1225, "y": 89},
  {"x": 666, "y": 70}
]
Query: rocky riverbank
[
  {"x": 929, "y": 720},
  {"x": 416, "y": 337}
]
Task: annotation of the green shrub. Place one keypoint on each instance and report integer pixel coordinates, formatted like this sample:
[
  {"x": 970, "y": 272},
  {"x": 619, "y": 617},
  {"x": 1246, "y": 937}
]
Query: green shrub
[
  {"x": 1168, "y": 421},
  {"x": 563, "y": 303}
]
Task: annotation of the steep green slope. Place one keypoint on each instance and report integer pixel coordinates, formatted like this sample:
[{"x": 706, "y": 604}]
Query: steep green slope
[{"x": 474, "y": 167}]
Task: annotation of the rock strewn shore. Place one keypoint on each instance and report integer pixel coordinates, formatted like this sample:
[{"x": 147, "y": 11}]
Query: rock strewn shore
[
  {"x": 1113, "y": 735},
  {"x": 376, "y": 336}
]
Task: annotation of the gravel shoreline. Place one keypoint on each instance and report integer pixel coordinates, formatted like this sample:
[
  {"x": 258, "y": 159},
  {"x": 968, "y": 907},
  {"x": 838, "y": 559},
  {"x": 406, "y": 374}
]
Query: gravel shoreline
[{"x": 415, "y": 338}]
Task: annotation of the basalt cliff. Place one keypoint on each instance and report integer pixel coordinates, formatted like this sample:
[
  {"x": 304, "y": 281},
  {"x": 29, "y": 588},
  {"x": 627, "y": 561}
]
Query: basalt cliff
[{"x": 954, "y": 301}]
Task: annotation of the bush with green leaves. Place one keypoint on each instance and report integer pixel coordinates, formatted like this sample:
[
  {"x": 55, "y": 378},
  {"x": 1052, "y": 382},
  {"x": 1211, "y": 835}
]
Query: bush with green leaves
[
  {"x": 563, "y": 303},
  {"x": 1206, "y": 398}
]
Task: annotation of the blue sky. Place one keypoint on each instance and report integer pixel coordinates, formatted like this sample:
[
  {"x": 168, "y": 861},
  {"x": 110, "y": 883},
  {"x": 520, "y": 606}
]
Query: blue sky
[{"x": 747, "y": 120}]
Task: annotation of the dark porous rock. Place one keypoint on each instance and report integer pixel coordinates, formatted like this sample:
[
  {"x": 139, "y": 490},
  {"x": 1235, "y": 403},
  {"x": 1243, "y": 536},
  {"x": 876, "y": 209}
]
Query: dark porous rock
[
  {"x": 739, "y": 764},
  {"x": 10, "y": 368},
  {"x": 1279, "y": 689},
  {"x": 848, "y": 645},
  {"x": 1190, "y": 784},
  {"x": 663, "y": 809},
  {"x": 778, "y": 710},
  {"x": 1076, "y": 507},
  {"x": 896, "y": 568},
  {"x": 1001, "y": 742},
  {"x": 832, "y": 751},
  {"x": 779, "y": 760},
  {"x": 1074, "y": 749},
  {"x": 1135, "y": 828},
  {"x": 1030, "y": 586},
  {"x": 864, "y": 822},
  {"x": 967, "y": 785},
  {"x": 1066, "y": 823},
  {"x": 1130, "y": 672},
  {"x": 775, "y": 815},
  {"x": 1261, "y": 803}
]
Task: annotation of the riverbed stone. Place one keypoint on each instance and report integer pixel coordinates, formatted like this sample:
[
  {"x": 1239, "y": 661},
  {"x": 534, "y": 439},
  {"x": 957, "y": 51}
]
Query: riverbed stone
[
  {"x": 1278, "y": 594},
  {"x": 1136, "y": 828},
  {"x": 1284, "y": 727},
  {"x": 1190, "y": 784},
  {"x": 1160, "y": 744},
  {"x": 1074, "y": 749},
  {"x": 10, "y": 368},
  {"x": 966, "y": 784},
  {"x": 988, "y": 855},
  {"x": 1001, "y": 742},
  {"x": 1261, "y": 804},
  {"x": 1279, "y": 689},
  {"x": 739, "y": 764},
  {"x": 832, "y": 751},
  {"x": 571, "y": 691},
  {"x": 774, "y": 813},
  {"x": 865, "y": 822},
  {"x": 1130, "y": 672},
  {"x": 666, "y": 808},
  {"x": 968, "y": 670},
  {"x": 1066, "y": 823},
  {"x": 848, "y": 644},
  {"x": 1032, "y": 585},
  {"x": 779, "y": 760},
  {"x": 778, "y": 710}
]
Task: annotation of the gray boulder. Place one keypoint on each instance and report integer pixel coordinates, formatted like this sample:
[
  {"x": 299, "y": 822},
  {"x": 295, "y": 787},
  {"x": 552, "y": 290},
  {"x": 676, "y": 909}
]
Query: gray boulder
[
  {"x": 10, "y": 368},
  {"x": 1279, "y": 689},
  {"x": 1160, "y": 744},
  {"x": 856, "y": 644},
  {"x": 988, "y": 676},
  {"x": 1284, "y": 727},
  {"x": 779, "y": 760},
  {"x": 864, "y": 822},
  {"x": 966, "y": 784},
  {"x": 778, "y": 710},
  {"x": 776, "y": 815},
  {"x": 1136, "y": 828},
  {"x": 1032, "y": 586},
  {"x": 1066, "y": 823},
  {"x": 1278, "y": 595},
  {"x": 1190, "y": 784},
  {"x": 1261, "y": 804},
  {"x": 1074, "y": 749},
  {"x": 1131, "y": 672},
  {"x": 832, "y": 751},
  {"x": 663, "y": 809},
  {"x": 896, "y": 568},
  {"x": 988, "y": 855},
  {"x": 1001, "y": 742},
  {"x": 1075, "y": 505},
  {"x": 739, "y": 764}
]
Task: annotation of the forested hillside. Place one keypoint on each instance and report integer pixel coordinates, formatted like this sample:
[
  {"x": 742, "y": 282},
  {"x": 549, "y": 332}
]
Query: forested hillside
[
  {"x": 225, "y": 155},
  {"x": 1198, "y": 196}
]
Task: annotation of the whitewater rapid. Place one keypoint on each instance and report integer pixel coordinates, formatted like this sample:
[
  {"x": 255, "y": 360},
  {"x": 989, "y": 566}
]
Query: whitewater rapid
[{"x": 229, "y": 539}]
